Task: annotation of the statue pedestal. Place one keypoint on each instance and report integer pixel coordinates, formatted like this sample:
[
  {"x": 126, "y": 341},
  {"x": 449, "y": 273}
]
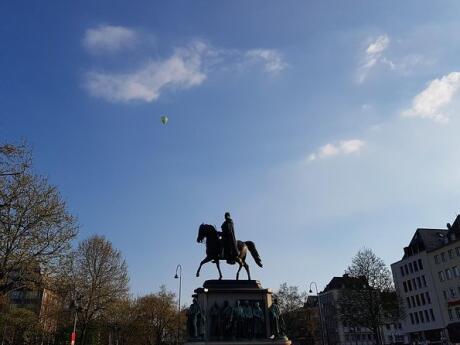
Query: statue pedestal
[
  {"x": 243, "y": 342},
  {"x": 216, "y": 326}
]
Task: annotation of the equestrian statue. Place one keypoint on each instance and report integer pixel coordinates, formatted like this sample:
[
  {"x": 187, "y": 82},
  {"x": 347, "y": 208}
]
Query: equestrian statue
[{"x": 222, "y": 245}]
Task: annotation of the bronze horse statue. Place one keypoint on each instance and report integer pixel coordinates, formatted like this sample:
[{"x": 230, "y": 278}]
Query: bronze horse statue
[{"x": 214, "y": 250}]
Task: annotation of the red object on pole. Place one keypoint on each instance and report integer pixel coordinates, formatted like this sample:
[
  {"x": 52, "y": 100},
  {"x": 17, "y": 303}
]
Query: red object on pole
[{"x": 73, "y": 337}]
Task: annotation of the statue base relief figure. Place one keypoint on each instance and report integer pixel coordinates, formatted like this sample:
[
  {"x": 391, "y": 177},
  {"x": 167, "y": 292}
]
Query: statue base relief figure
[{"x": 235, "y": 312}]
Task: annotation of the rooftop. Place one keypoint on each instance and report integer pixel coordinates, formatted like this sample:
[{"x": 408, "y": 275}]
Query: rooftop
[{"x": 346, "y": 282}]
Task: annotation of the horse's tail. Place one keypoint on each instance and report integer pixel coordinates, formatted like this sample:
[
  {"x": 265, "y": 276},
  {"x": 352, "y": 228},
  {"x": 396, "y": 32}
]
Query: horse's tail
[{"x": 255, "y": 254}]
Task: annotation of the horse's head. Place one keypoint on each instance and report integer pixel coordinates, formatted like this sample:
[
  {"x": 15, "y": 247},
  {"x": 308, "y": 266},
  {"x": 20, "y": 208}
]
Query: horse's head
[{"x": 201, "y": 233}]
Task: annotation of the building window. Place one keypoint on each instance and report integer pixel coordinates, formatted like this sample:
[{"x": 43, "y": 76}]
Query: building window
[
  {"x": 408, "y": 302},
  {"x": 451, "y": 315},
  {"x": 442, "y": 276},
  {"x": 426, "y": 315},
  {"x": 445, "y": 295},
  {"x": 411, "y": 269},
  {"x": 451, "y": 253},
  {"x": 453, "y": 293},
  {"x": 417, "y": 320},
  {"x": 422, "y": 297},
  {"x": 419, "y": 282},
  {"x": 456, "y": 271},
  {"x": 409, "y": 285},
  {"x": 418, "y": 300},
  {"x": 432, "y": 315},
  {"x": 405, "y": 269},
  {"x": 449, "y": 274},
  {"x": 457, "y": 311},
  {"x": 412, "y": 299},
  {"x": 415, "y": 266},
  {"x": 443, "y": 257},
  {"x": 424, "y": 281},
  {"x": 420, "y": 264},
  {"x": 405, "y": 286},
  {"x": 457, "y": 250},
  {"x": 402, "y": 270},
  {"x": 427, "y": 294},
  {"x": 411, "y": 318},
  {"x": 422, "y": 319},
  {"x": 436, "y": 259},
  {"x": 414, "y": 283}
]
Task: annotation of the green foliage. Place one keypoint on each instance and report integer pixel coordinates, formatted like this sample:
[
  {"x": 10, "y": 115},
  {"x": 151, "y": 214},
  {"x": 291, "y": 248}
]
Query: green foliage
[{"x": 36, "y": 228}]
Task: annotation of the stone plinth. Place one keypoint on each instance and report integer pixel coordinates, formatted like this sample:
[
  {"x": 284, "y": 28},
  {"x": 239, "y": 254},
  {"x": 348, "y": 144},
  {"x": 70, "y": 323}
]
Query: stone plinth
[
  {"x": 243, "y": 342},
  {"x": 215, "y": 294}
]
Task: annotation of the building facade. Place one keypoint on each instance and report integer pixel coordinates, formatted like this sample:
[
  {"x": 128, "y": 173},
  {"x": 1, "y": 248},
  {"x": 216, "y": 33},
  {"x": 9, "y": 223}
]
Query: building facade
[
  {"x": 427, "y": 280},
  {"x": 313, "y": 320},
  {"x": 337, "y": 332}
]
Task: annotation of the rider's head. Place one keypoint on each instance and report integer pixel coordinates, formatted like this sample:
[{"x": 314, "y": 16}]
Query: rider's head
[{"x": 227, "y": 215}]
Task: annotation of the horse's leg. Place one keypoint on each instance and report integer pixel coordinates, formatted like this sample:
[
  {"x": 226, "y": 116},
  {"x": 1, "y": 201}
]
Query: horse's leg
[
  {"x": 246, "y": 266},
  {"x": 239, "y": 269},
  {"x": 218, "y": 268},
  {"x": 205, "y": 260}
]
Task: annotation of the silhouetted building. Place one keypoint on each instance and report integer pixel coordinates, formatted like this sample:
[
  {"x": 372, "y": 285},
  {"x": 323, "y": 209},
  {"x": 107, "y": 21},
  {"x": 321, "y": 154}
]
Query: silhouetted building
[
  {"x": 339, "y": 332},
  {"x": 43, "y": 302},
  {"x": 313, "y": 320},
  {"x": 427, "y": 279},
  {"x": 335, "y": 331}
]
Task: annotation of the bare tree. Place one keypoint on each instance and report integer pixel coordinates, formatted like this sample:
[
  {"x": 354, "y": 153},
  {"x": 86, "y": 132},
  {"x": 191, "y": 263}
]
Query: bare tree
[
  {"x": 14, "y": 159},
  {"x": 291, "y": 302},
  {"x": 98, "y": 274},
  {"x": 375, "y": 303},
  {"x": 290, "y": 298},
  {"x": 36, "y": 228}
]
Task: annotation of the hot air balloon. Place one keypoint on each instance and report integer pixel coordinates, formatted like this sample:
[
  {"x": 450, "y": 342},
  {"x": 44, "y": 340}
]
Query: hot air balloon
[{"x": 164, "y": 119}]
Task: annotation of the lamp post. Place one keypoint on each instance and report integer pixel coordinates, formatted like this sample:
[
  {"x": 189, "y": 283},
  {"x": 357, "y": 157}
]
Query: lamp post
[
  {"x": 76, "y": 305},
  {"x": 178, "y": 276},
  {"x": 320, "y": 313}
]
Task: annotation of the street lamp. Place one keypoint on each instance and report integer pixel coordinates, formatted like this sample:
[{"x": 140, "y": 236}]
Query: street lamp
[
  {"x": 320, "y": 313},
  {"x": 75, "y": 304},
  {"x": 178, "y": 276}
]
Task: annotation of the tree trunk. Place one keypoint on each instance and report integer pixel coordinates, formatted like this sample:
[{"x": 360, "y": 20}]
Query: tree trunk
[
  {"x": 378, "y": 340},
  {"x": 83, "y": 335}
]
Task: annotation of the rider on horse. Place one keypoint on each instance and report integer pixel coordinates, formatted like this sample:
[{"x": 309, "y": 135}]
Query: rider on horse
[{"x": 229, "y": 240}]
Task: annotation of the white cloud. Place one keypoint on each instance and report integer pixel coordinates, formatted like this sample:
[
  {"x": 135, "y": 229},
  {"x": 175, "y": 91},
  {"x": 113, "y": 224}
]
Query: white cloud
[
  {"x": 378, "y": 46},
  {"x": 108, "y": 38},
  {"x": 431, "y": 103},
  {"x": 272, "y": 59},
  {"x": 344, "y": 147},
  {"x": 185, "y": 68},
  {"x": 374, "y": 55},
  {"x": 328, "y": 150},
  {"x": 182, "y": 70}
]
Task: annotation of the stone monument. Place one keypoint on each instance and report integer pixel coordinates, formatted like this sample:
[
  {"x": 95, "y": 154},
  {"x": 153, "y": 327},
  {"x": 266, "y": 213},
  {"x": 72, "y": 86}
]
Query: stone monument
[{"x": 232, "y": 312}]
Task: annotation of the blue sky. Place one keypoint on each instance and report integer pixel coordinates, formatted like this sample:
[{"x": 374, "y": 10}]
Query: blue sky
[{"x": 322, "y": 126}]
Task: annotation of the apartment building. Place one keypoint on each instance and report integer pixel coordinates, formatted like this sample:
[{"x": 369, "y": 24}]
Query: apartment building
[
  {"x": 427, "y": 279},
  {"x": 335, "y": 331}
]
